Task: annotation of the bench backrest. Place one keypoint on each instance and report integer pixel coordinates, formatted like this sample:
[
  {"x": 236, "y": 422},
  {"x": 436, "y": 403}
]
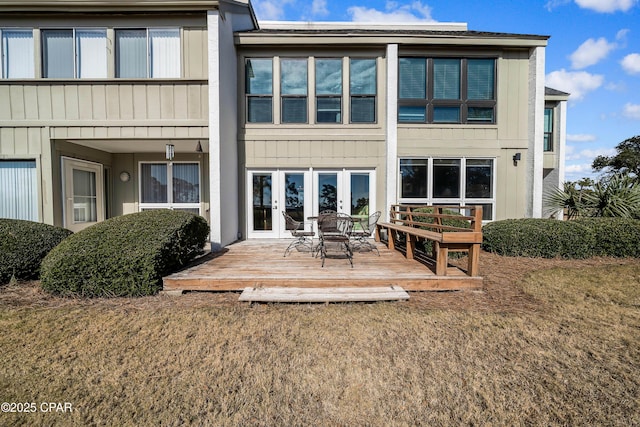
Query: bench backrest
[{"x": 469, "y": 218}]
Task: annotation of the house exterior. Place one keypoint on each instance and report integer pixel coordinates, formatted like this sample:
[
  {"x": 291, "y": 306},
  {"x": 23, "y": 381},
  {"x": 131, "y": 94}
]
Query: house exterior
[{"x": 113, "y": 107}]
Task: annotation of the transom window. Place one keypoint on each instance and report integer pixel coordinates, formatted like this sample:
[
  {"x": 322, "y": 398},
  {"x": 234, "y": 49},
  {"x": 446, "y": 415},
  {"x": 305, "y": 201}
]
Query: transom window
[
  {"x": 148, "y": 53},
  {"x": 16, "y": 54},
  {"x": 446, "y": 90},
  {"x": 74, "y": 53},
  {"x": 449, "y": 181},
  {"x": 174, "y": 185}
]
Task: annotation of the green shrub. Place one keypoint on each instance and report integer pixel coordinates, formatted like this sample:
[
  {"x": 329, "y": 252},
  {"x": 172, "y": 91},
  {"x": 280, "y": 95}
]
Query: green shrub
[
  {"x": 532, "y": 237},
  {"x": 617, "y": 237},
  {"x": 23, "y": 245},
  {"x": 124, "y": 256}
]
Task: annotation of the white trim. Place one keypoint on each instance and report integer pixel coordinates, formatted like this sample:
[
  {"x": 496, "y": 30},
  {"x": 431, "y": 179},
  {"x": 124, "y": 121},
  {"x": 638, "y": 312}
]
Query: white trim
[
  {"x": 96, "y": 167},
  {"x": 535, "y": 158},
  {"x": 215, "y": 198},
  {"x": 392, "y": 161}
]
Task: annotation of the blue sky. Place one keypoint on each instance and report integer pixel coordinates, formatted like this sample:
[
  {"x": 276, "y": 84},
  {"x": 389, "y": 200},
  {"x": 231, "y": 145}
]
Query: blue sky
[{"x": 593, "y": 53}]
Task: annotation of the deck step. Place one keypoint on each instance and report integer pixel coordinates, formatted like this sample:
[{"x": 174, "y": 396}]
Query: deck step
[{"x": 352, "y": 294}]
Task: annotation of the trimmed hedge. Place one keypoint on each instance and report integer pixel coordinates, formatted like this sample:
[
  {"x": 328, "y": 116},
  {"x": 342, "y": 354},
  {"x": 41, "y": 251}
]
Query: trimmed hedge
[
  {"x": 538, "y": 238},
  {"x": 124, "y": 256},
  {"x": 616, "y": 237},
  {"x": 23, "y": 246}
]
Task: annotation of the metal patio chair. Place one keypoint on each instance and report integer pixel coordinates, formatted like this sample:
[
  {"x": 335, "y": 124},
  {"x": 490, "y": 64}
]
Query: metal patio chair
[
  {"x": 335, "y": 229},
  {"x": 302, "y": 238},
  {"x": 361, "y": 238}
]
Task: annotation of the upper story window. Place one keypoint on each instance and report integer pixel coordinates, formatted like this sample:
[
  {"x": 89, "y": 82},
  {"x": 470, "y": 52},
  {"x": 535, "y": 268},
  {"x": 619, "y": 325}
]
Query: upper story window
[
  {"x": 148, "y": 53},
  {"x": 259, "y": 90},
  {"x": 363, "y": 90},
  {"x": 329, "y": 90},
  {"x": 548, "y": 129},
  {"x": 16, "y": 54},
  {"x": 446, "y": 90},
  {"x": 74, "y": 53},
  {"x": 293, "y": 90}
]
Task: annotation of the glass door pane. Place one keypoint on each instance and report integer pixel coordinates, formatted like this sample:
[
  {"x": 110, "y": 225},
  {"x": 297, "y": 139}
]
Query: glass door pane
[
  {"x": 327, "y": 192},
  {"x": 294, "y": 195},
  {"x": 84, "y": 196},
  {"x": 360, "y": 201},
  {"x": 262, "y": 202}
]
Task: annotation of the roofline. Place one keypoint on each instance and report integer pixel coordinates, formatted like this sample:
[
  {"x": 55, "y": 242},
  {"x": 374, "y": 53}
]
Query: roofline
[
  {"x": 339, "y": 25},
  {"x": 263, "y": 37},
  {"x": 109, "y": 5}
]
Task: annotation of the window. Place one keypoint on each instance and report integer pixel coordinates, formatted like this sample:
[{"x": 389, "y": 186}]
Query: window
[
  {"x": 454, "y": 181},
  {"x": 548, "y": 129},
  {"x": 173, "y": 185},
  {"x": 74, "y": 53},
  {"x": 18, "y": 189},
  {"x": 328, "y": 90},
  {"x": 259, "y": 90},
  {"x": 446, "y": 90},
  {"x": 293, "y": 90},
  {"x": 362, "y": 88},
  {"x": 148, "y": 53},
  {"x": 16, "y": 54}
]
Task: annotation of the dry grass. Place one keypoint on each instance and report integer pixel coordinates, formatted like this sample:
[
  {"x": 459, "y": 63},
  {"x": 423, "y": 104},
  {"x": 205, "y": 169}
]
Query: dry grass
[{"x": 548, "y": 342}]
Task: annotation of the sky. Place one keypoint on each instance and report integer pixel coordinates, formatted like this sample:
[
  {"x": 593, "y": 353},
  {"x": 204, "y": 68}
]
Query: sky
[{"x": 593, "y": 53}]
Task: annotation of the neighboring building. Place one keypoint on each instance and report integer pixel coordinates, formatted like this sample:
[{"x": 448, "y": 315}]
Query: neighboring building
[{"x": 263, "y": 118}]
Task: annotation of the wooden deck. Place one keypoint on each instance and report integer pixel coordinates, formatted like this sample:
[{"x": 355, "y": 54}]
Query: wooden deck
[{"x": 260, "y": 263}]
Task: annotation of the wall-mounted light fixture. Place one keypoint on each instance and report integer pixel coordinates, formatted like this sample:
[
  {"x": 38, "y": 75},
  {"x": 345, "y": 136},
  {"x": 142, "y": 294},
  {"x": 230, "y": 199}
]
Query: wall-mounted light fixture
[
  {"x": 125, "y": 176},
  {"x": 198, "y": 147},
  {"x": 170, "y": 151},
  {"x": 516, "y": 158}
]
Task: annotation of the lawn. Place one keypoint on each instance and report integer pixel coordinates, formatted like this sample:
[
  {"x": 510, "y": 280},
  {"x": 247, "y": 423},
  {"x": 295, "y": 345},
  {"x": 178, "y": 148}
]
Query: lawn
[{"x": 547, "y": 342}]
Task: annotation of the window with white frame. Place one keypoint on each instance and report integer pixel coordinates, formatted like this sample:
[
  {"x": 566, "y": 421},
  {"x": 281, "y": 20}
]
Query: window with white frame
[
  {"x": 74, "y": 53},
  {"x": 449, "y": 181},
  {"x": 17, "y": 54},
  {"x": 363, "y": 90},
  {"x": 148, "y": 53},
  {"x": 18, "y": 189},
  {"x": 548, "y": 129},
  {"x": 170, "y": 185}
]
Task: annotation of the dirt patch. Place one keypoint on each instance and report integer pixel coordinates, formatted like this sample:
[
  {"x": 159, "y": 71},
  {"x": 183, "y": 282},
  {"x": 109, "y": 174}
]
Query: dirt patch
[{"x": 501, "y": 290}]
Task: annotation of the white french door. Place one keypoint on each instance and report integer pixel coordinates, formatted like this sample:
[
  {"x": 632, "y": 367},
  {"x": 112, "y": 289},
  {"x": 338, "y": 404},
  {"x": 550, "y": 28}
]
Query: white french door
[
  {"x": 82, "y": 193},
  {"x": 349, "y": 191},
  {"x": 304, "y": 193},
  {"x": 269, "y": 193}
]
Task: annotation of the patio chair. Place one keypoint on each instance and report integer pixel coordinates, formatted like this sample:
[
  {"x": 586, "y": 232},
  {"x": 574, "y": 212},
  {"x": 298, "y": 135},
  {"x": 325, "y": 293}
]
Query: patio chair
[
  {"x": 361, "y": 238},
  {"x": 302, "y": 238},
  {"x": 335, "y": 229}
]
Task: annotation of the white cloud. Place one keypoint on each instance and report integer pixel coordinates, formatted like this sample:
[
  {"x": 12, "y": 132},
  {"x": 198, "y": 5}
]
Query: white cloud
[
  {"x": 319, "y": 8},
  {"x": 552, "y": 4},
  {"x": 581, "y": 137},
  {"x": 580, "y": 168},
  {"x": 606, "y": 6},
  {"x": 271, "y": 10},
  {"x": 631, "y": 111},
  {"x": 577, "y": 83},
  {"x": 414, "y": 12},
  {"x": 591, "y": 52},
  {"x": 589, "y": 154},
  {"x": 631, "y": 63}
]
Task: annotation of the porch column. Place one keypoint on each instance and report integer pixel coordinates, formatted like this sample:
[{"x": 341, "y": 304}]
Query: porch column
[
  {"x": 535, "y": 158},
  {"x": 391, "y": 185}
]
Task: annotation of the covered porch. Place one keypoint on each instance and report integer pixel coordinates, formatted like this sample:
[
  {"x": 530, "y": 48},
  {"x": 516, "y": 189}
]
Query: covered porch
[{"x": 260, "y": 263}]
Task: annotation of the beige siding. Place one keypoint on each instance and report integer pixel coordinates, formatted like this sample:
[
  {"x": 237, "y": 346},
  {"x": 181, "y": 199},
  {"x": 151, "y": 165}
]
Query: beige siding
[
  {"x": 513, "y": 97},
  {"x": 107, "y": 103},
  {"x": 194, "y": 44}
]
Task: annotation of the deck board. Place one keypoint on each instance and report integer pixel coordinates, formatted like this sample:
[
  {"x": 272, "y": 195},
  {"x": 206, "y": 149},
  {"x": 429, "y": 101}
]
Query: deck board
[
  {"x": 284, "y": 294},
  {"x": 260, "y": 263}
]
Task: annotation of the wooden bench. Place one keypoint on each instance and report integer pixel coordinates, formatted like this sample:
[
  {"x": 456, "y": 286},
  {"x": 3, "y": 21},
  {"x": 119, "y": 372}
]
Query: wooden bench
[{"x": 409, "y": 220}]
